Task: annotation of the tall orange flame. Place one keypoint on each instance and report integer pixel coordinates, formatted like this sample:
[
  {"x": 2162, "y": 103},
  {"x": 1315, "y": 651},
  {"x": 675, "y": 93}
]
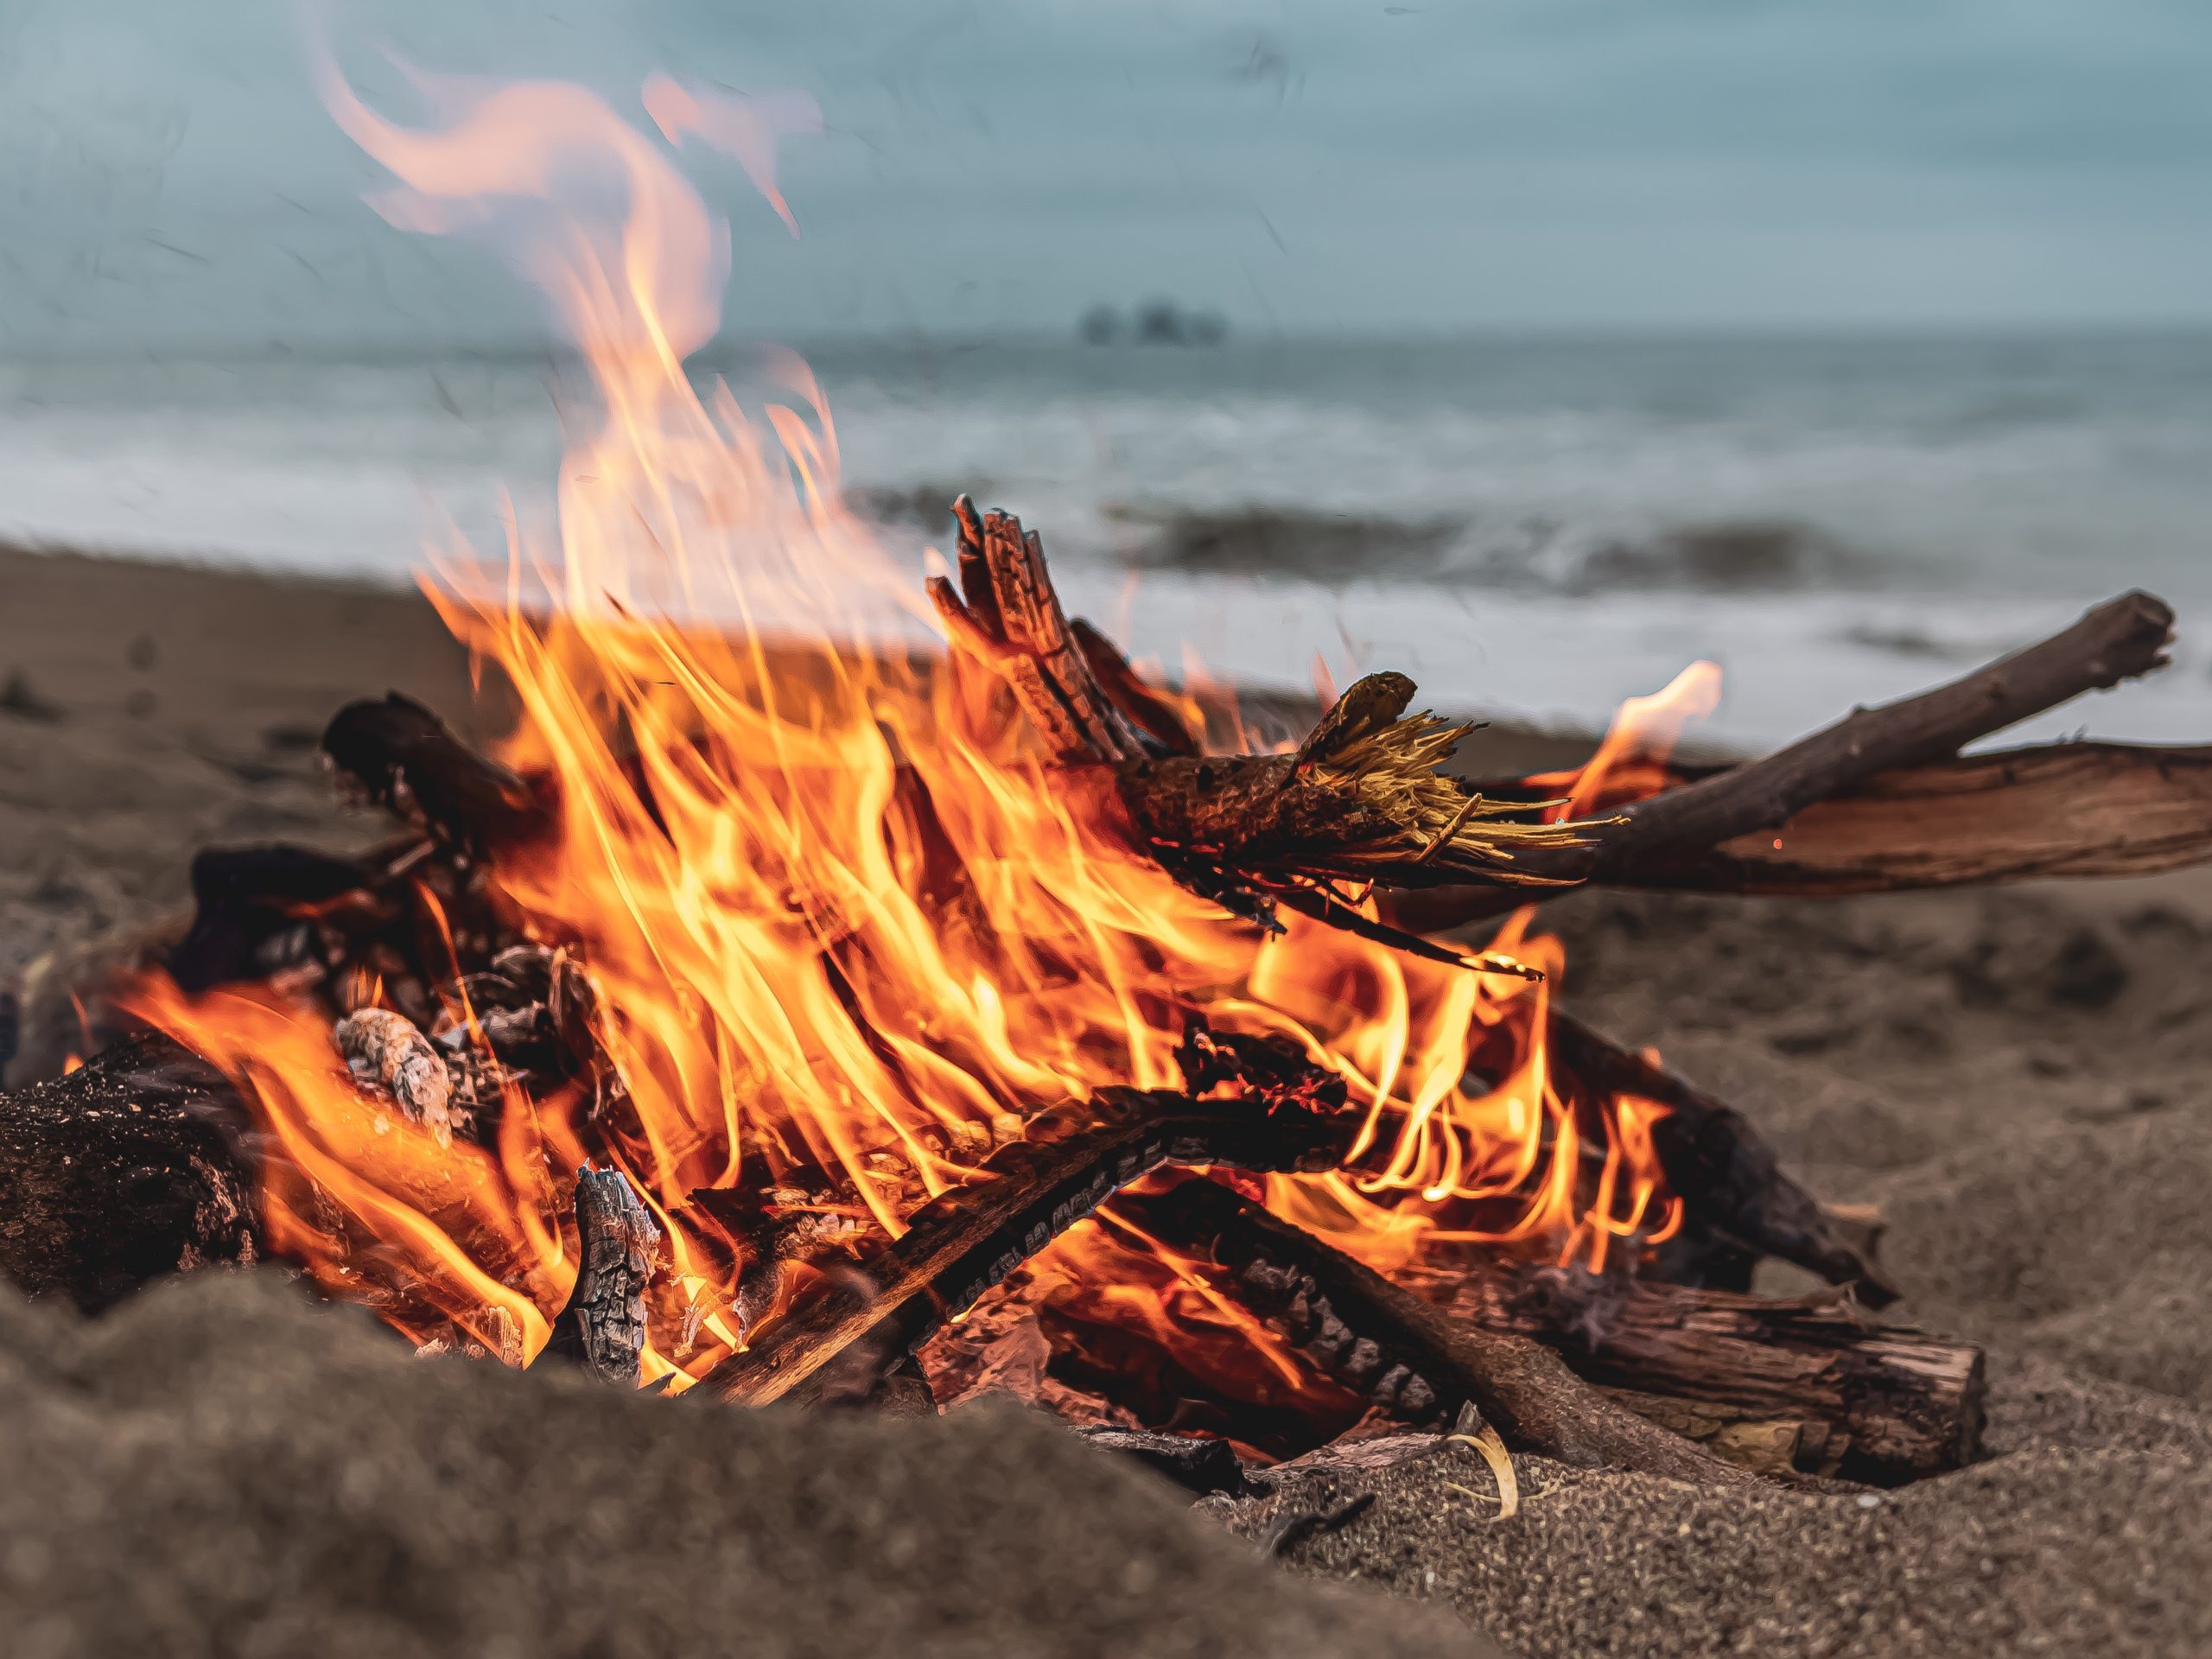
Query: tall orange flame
[{"x": 832, "y": 921}]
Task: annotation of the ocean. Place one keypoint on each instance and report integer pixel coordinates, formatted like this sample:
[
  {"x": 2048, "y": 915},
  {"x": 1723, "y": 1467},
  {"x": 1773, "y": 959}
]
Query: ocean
[{"x": 1536, "y": 528}]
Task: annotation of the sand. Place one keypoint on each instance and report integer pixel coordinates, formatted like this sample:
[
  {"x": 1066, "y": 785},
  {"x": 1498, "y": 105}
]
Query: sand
[
  {"x": 2016, "y": 1078},
  {"x": 220, "y": 1469}
]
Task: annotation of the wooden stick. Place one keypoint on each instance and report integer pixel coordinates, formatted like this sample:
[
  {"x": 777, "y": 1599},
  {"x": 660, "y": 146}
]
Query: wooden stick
[
  {"x": 965, "y": 1241},
  {"x": 1721, "y": 1168},
  {"x": 1362, "y": 1321},
  {"x": 2119, "y": 639},
  {"x": 1880, "y": 1404},
  {"x": 128, "y": 1168}
]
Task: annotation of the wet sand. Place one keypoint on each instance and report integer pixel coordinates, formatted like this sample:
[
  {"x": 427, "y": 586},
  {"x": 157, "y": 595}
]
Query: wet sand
[{"x": 2017, "y": 1078}]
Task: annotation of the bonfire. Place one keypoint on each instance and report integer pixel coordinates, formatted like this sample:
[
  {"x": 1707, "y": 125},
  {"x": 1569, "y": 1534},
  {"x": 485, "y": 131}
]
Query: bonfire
[{"x": 849, "y": 987}]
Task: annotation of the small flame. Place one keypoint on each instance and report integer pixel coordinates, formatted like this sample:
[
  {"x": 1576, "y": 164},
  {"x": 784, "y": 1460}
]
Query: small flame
[{"x": 836, "y": 919}]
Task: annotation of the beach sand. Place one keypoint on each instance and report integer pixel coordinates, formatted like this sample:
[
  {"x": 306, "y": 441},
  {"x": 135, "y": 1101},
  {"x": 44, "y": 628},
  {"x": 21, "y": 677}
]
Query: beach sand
[{"x": 2017, "y": 1078}]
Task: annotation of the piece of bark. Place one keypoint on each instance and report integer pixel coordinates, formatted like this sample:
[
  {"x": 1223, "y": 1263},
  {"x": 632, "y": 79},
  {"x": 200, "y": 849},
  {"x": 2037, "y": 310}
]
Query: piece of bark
[
  {"x": 1728, "y": 1179},
  {"x": 965, "y": 1241},
  {"x": 2118, "y": 640},
  {"x": 1517, "y": 1384},
  {"x": 384, "y": 1049},
  {"x": 126, "y": 1169},
  {"x": 602, "y": 1328},
  {"x": 2070, "y": 810},
  {"x": 401, "y": 756},
  {"x": 1879, "y": 1404}
]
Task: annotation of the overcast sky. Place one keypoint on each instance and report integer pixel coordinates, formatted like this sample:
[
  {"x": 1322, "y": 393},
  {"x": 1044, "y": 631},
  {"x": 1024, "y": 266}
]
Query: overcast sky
[{"x": 167, "y": 177}]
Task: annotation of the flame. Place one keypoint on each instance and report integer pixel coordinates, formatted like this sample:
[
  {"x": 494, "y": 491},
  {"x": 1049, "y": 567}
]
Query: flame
[{"x": 838, "y": 916}]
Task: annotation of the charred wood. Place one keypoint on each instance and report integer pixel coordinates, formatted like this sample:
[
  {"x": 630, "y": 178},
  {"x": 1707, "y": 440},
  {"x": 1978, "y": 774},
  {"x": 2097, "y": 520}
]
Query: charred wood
[
  {"x": 128, "y": 1168},
  {"x": 1730, "y": 1181},
  {"x": 1364, "y": 1325},
  {"x": 602, "y": 1328},
  {"x": 961, "y": 1242},
  {"x": 246, "y": 905},
  {"x": 1198, "y": 1465},
  {"x": 401, "y": 756}
]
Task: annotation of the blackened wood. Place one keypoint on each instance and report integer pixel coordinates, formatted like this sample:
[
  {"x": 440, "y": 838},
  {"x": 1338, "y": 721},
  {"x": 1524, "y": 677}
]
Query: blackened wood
[
  {"x": 1517, "y": 1384},
  {"x": 1727, "y": 1177},
  {"x": 243, "y": 899},
  {"x": 961, "y": 1242},
  {"x": 403, "y": 758},
  {"x": 602, "y": 1329},
  {"x": 128, "y": 1168},
  {"x": 1193, "y": 1462},
  {"x": 2118, "y": 640},
  {"x": 1893, "y": 1403}
]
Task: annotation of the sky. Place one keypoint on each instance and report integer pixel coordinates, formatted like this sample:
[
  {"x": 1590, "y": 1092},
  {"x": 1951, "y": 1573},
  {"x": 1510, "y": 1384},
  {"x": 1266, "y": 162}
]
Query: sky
[{"x": 169, "y": 180}]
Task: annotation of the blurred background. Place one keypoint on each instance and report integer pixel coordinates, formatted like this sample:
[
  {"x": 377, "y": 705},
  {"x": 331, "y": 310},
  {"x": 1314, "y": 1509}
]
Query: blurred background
[{"x": 1534, "y": 347}]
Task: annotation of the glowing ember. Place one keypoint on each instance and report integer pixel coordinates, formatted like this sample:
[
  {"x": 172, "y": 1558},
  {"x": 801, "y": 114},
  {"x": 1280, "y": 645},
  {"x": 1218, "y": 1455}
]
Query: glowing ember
[{"x": 838, "y": 916}]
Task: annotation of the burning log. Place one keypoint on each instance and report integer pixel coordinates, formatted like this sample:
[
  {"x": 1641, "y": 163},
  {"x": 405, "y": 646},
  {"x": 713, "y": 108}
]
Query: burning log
[
  {"x": 1665, "y": 833},
  {"x": 965, "y": 1241},
  {"x": 124, "y": 1170},
  {"x": 1729, "y": 1179},
  {"x": 602, "y": 1329},
  {"x": 1362, "y": 1324},
  {"x": 1878, "y": 1404}
]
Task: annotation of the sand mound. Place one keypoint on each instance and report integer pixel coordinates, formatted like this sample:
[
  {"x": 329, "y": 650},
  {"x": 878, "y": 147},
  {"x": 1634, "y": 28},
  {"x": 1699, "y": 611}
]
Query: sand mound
[{"x": 220, "y": 1468}]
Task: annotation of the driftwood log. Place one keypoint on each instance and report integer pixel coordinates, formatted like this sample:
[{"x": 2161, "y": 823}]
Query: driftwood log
[
  {"x": 1665, "y": 835},
  {"x": 128, "y": 1168},
  {"x": 1814, "y": 1382},
  {"x": 965, "y": 1241},
  {"x": 2065, "y": 810},
  {"x": 1357, "y": 1326}
]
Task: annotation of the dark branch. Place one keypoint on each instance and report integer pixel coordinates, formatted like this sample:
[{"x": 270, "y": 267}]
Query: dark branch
[{"x": 963, "y": 1241}]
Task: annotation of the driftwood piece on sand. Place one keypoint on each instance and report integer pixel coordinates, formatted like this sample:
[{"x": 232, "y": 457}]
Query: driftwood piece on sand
[
  {"x": 2072, "y": 810},
  {"x": 2118, "y": 640},
  {"x": 124, "y": 1170},
  {"x": 1881, "y": 1404},
  {"x": 965, "y": 1241},
  {"x": 602, "y": 1329},
  {"x": 1730, "y": 1180},
  {"x": 1519, "y": 1385}
]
